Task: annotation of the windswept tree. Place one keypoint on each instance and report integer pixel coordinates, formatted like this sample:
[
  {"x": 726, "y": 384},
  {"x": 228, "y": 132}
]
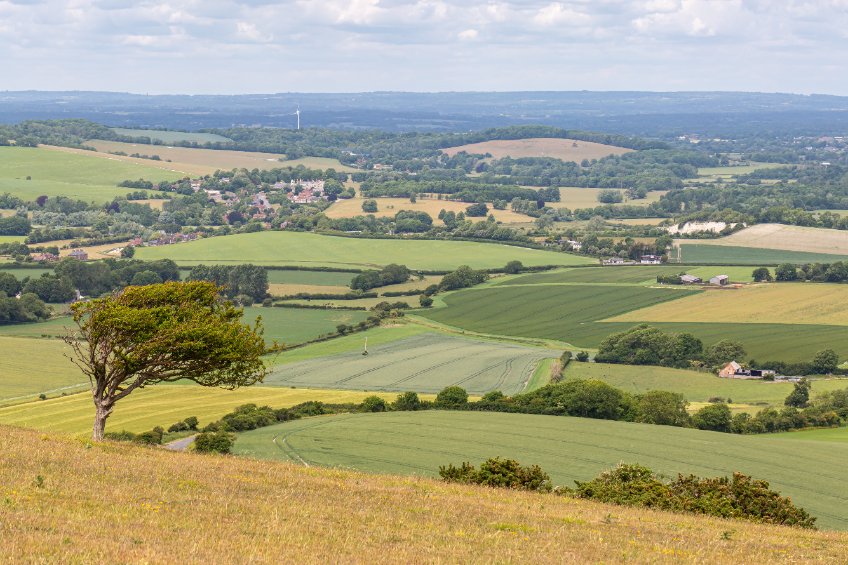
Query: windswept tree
[{"x": 145, "y": 335}]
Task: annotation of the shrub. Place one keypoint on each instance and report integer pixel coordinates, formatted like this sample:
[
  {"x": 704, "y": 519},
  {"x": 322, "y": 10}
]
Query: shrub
[
  {"x": 582, "y": 356},
  {"x": 153, "y": 437},
  {"x": 425, "y": 301},
  {"x": 715, "y": 417},
  {"x": 123, "y": 435},
  {"x": 663, "y": 408},
  {"x": 178, "y": 427},
  {"x": 408, "y": 401},
  {"x": 499, "y": 473},
  {"x": 191, "y": 422},
  {"x": 513, "y": 267},
  {"x": 214, "y": 442},
  {"x": 452, "y": 397},
  {"x": 374, "y": 404}
]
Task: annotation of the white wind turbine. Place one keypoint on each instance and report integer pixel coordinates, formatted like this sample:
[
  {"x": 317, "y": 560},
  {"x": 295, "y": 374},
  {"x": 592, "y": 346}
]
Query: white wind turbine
[{"x": 297, "y": 113}]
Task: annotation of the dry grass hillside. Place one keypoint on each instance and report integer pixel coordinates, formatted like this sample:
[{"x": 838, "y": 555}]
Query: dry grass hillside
[{"x": 64, "y": 500}]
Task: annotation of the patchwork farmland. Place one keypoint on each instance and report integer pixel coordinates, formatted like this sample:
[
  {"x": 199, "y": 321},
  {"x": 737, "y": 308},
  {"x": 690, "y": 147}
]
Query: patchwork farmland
[
  {"x": 417, "y": 443},
  {"x": 425, "y": 363}
]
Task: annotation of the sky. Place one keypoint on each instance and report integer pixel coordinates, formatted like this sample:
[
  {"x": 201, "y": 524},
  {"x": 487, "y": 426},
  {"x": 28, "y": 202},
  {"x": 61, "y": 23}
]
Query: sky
[{"x": 263, "y": 46}]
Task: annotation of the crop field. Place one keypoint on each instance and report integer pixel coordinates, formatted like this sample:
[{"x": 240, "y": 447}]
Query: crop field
[
  {"x": 696, "y": 386},
  {"x": 161, "y": 405},
  {"x": 295, "y": 325},
  {"x": 638, "y": 274},
  {"x": 716, "y": 254},
  {"x": 565, "y": 149},
  {"x": 21, "y": 274},
  {"x": 57, "y": 172},
  {"x": 166, "y": 136},
  {"x": 29, "y": 367},
  {"x": 566, "y": 313},
  {"x": 788, "y": 238},
  {"x": 11, "y": 238},
  {"x": 417, "y": 443},
  {"x": 839, "y": 435},
  {"x": 388, "y": 207},
  {"x": 426, "y": 362},
  {"x": 305, "y": 249},
  {"x": 197, "y": 161},
  {"x": 574, "y": 313},
  {"x": 775, "y": 303},
  {"x": 577, "y": 197},
  {"x": 736, "y": 170}
]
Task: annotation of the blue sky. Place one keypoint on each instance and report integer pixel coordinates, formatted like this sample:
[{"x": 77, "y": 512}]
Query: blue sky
[{"x": 251, "y": 46}]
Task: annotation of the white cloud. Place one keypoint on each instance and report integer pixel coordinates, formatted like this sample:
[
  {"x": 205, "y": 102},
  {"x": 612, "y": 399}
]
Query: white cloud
[
  {"x": 468, "y": 34},
  {"x": 559, "y": 14}
]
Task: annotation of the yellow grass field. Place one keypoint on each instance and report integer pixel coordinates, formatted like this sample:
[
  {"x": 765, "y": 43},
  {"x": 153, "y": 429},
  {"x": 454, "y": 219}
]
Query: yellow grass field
[
  {"x": 576, "y": 197},
  {"x": 388, "y": 207},
  {"x": 565, "y": 149},
  {"x": 162, "y": 405},
  {"x": 195, "y": 162},
  {"x": 284, "y": 289},
  {"x": 776, "y": 303},
  {"x": 71, "y": 501},
  {"x": 790, "y": 238}
]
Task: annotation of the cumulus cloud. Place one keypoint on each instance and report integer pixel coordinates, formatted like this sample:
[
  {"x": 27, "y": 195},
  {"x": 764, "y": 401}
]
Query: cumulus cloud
[{"x": 424, "y": 44}]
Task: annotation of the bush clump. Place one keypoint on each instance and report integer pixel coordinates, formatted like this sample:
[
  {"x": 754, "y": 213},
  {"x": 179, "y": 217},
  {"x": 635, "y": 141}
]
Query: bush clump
[
  {"x": 214, "y": 442},
  {"x": 499, "y": 473}
]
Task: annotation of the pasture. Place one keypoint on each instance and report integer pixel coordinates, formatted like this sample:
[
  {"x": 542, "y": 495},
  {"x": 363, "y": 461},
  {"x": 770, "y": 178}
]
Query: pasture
[
  {"x": 80, "y": 174},
  {"x": 717, "y": 254},
  {"x": 576, "y": 197},
  {"x": 388, "y": 207},
  {"x": 417, "y": 443},
  {"x": 623, "y": 275},
  {"x": 22, "y": 273},
  {"x": 732, "y": 171},
  {"x": 167, "y": 136},
  {"x": 775, "y": 303},
  {"x": 161, "y": 405},
  {"x": 29, "y": 367},
  {"x": 696, "y": 386},
  {"x": 197, "y": 161},
  {"x": 309, "y": 249},
  {"x": 427, "y": 362},
  {"x": 564, "y": 149}
]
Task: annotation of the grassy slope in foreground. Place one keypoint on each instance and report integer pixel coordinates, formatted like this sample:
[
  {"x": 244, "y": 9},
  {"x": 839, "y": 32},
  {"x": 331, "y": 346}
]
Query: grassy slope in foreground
[
  {"x": 294, "y": 248},
  {"x": 57, "y": 173},
  {"x": 567, "y": 448},
  {"x": 113, "y": 503},
  {"x": 162, "y": 405},
  {"x": 694, "y": 385}
]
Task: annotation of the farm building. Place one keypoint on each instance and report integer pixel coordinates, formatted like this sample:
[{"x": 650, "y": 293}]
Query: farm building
[
  {"x": 720, "y": 280},
  {"x": 650, "y": 260},
  {"x": 46, "y": 258},
  {"x": 618, "y": 261},
  {"x": 734, "y": 370},
  {"x": 689, "y": 279},
  {"x": 79, "y": 254}
]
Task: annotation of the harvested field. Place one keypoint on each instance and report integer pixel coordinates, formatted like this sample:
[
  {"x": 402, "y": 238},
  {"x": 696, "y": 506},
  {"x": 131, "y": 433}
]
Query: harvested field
[
  {"x": 309, "y": 249},
  {"x": 288, "y": 289},
  {"x": 788, "y": 238},
  {"x": 388, "y": 207},
  {"x": 576, "y": 197},
  {"x": 565, "y": 149},
  {"x": 717, "y": 254},
  {"x": 424, "y": 363},
  {"x": 417, "y": 443},
  {"x": 312, "y": 278},
  {"x": 776, "y": 303}
]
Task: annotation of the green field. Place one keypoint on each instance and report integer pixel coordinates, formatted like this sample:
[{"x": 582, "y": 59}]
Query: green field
[
  {"x": 718, "y": 254},
  {"x": 57, "y": 173},
  {"x": 563, "y": 312},
  {"x": 839, "y": 435},
  {"x": 297, "y": 248},
  {"x": 21, "y": 274},
  {"x": 426, "y": 362},
  {"x": 317, "y": 278},
  {"x": 737, "y": 170},
  {"x": 12, "y": 238},
  {"x": 695, "y": 386},
  {"x": 567, "y": 448},
  {"x": 162, "y": 405},
  {"x": 171, "y": 136},
  {"x": 638, "y": 274},
  {"x": 29, "y": 367}
]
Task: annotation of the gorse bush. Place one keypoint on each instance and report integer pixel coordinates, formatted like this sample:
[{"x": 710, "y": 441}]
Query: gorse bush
[
  {"x": 499, "y": 473},
  {"x": 738, "y": 496}
]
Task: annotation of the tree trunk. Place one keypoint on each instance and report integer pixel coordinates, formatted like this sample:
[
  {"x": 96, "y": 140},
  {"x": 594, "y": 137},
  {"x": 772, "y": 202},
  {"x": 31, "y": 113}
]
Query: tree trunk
[{"x": 100, "y": 414}]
